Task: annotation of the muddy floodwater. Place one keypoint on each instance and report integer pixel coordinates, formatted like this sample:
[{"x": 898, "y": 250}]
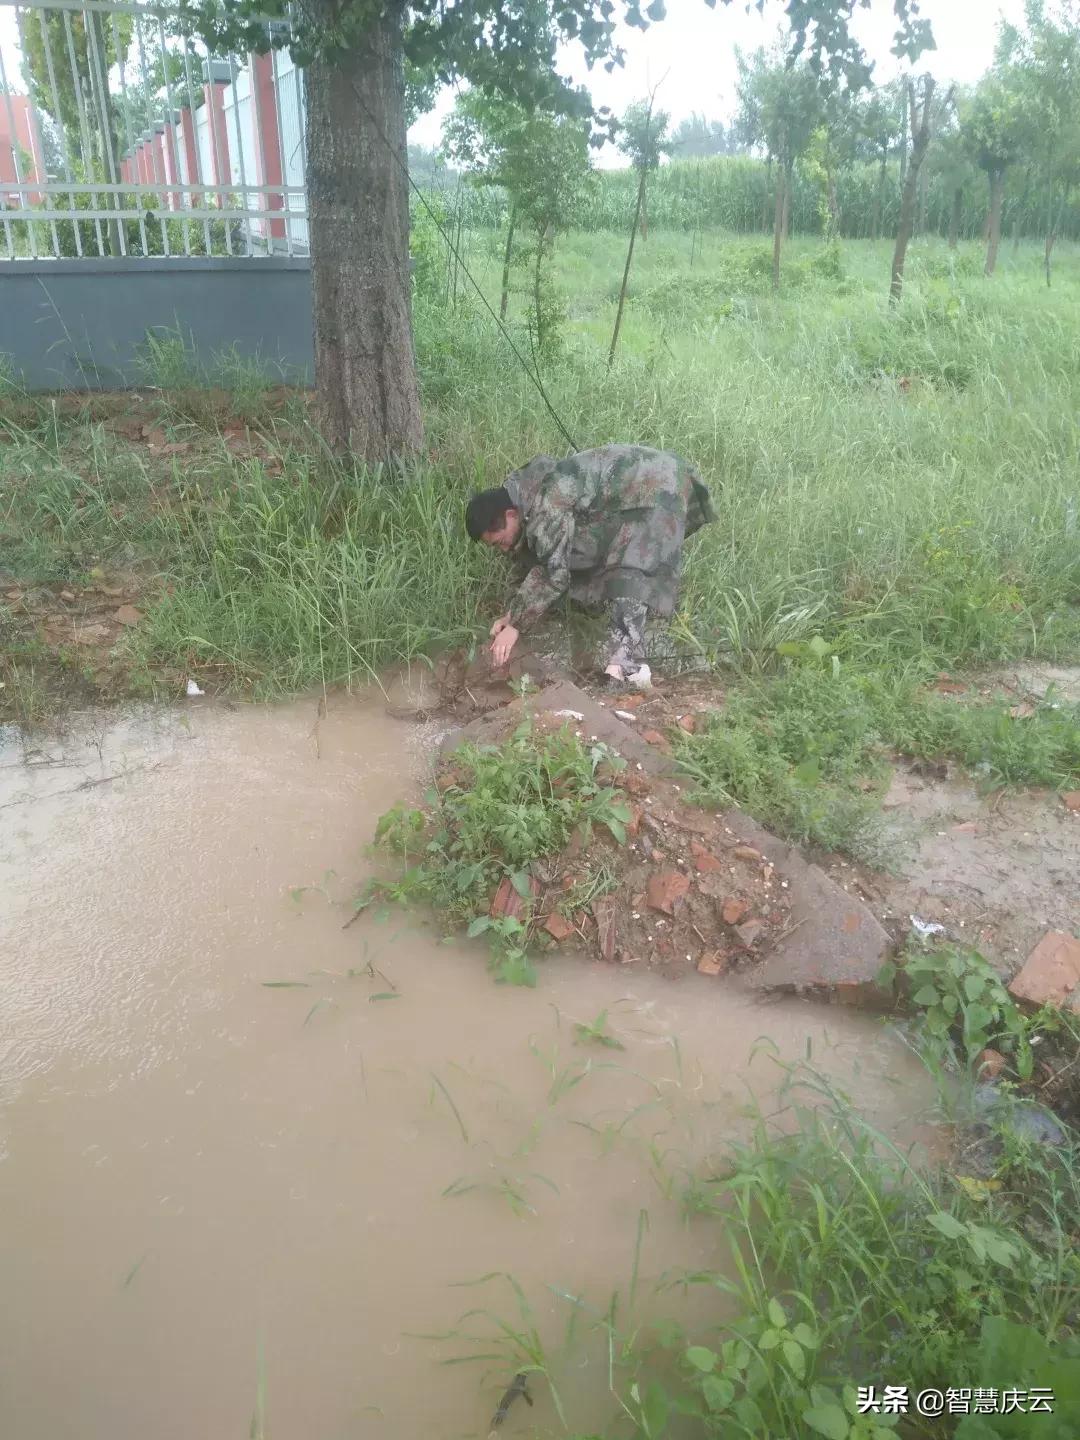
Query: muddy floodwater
[{"x": 247, "y": 1155}]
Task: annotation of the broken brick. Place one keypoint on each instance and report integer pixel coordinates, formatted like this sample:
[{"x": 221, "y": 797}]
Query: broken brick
[
  {"x": 633, "y": 825},
  {"x": 990, "y": 1064},
  {"x": 712, "y": 963},
  {"x": 128, "y": 615},
  {"x": 507, "y": 903},
  {"x": 733, "y": 910},
  {"x": 948, "y": 686},
  {"x": 705, "y": 862},
  {"x": 654, "y": 737},
  {"x": 606, "y": 932},
  {"x": 687, "y": 723},
  {"x": 629, "y": 702},
  {"x": 1051, "y": 972},
  {"x": 666, "y": 889},
  {"x": 558, "y": 927},
  {"x": 1071, "y": 800},
  {"x": 746, "y": 852}
]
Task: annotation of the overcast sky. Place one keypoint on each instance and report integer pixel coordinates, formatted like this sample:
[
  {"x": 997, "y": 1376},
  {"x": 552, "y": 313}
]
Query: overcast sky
[{"x": 693, "y": 53}]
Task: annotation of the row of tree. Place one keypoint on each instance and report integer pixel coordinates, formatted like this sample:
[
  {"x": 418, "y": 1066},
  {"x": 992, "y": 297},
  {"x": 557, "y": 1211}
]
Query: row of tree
[
  {"x": 527, "y": 128},
  {"x": 1024, "y": 113},
  {"x": 1023, "y": 117}
]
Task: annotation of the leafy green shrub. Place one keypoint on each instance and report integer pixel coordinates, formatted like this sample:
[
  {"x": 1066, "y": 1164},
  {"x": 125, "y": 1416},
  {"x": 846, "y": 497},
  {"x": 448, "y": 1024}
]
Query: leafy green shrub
[
  {"x": 507, "y": 807},
  {"x": 962, "y": 1001}
]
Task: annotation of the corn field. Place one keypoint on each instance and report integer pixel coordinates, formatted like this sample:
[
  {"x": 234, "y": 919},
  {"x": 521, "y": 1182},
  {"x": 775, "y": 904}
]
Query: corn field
[{"x": 736, "y": 193}]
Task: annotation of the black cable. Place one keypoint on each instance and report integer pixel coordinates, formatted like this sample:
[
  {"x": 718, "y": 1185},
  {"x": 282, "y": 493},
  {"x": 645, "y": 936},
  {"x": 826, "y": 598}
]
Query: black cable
[{"x": 532, "y": 374}]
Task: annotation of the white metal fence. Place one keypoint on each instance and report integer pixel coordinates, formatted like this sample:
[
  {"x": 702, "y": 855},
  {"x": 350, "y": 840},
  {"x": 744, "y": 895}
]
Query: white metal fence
[{"x": 122, "y": 135}]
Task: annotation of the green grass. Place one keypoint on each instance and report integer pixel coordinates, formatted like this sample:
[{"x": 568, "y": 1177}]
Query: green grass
[{"x": 808, "y": 751}]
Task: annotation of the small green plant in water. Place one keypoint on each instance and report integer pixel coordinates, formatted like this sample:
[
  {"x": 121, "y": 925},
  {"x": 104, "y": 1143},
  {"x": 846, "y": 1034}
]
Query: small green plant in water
[{"x": 597, "y": 1033}]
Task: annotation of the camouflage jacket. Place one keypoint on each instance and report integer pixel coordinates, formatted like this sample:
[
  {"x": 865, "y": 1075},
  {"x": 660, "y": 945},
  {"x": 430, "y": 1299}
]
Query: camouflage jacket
[{"x": 605, "y": 524}]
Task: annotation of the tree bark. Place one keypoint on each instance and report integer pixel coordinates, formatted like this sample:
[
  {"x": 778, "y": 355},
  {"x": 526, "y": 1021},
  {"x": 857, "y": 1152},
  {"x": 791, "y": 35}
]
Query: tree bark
[
  {"x": 957, "y": 215},
  {"x": 1021, "y": 207},
  {"x": 786, "y": 220},
  {"x": 833, "y": 201},
  {"x": 504, "y": 299},
  {"x": 1052, "y": 231},
  {"x": 365, "y": 367},
  {"x": 924, "y": 187},
  {"x": 920, "y": 143},
  {"x": 626, "y": 269},
  {"x": 993, "y": 239},
  {"x": 778, "y": 225}
]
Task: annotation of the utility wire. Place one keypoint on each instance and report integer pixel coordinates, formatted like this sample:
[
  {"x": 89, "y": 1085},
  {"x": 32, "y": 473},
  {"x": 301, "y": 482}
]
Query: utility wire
[{"x": 403, "y": 164}]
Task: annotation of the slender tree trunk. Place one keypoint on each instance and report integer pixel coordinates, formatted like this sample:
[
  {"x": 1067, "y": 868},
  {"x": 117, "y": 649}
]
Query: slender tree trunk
[
  {"x": 507, "y": 256},
  {"x": 920, "y": 143},
  {"x": 365, "y": 367},
  {"x": 907, "y": 122},
  {"x": 786, "y": 220},
  {"x": 997, "y": 199},
  {"x": 924, "y": 187},
  {"x": 626, "y": 268},
  {"x": 778, "y": 225},
  {"x": 1052, "y": 232},
  {"x": 104, "y": 121},
  {"x": 538, "y": 293},
  {"x": 833, "y": 201},
  {"x": 957, "y": 216},
  {"x": 879, "y": 198}
]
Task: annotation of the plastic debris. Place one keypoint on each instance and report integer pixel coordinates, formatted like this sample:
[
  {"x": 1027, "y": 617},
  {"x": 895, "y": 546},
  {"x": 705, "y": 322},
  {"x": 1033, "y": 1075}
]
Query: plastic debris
[
  {"x": 193, "y": 688},
  {"x": 925, "y": 928},
  {"x": 569, "y": 715}
]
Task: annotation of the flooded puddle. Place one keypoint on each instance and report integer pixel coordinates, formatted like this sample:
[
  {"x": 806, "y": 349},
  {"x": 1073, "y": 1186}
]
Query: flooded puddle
[{"x": 248, "y": 1154}]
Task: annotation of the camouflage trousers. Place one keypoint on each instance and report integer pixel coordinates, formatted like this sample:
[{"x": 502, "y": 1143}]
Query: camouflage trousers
[{"x": 625, "y": 645}]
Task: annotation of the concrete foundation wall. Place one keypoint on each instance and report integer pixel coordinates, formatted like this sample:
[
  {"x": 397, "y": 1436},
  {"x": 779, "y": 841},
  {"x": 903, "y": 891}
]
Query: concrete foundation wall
[{"x": 84, "y": 324}]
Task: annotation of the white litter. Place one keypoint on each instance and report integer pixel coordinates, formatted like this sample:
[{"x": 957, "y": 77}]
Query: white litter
[
  {"x": 642, "y": 678},
  {"x": 926, "y": 928},
  {"x": 193, "y": 688},
  {"x": 569, "y": 715},
  {"x": 624, "y": 715}
]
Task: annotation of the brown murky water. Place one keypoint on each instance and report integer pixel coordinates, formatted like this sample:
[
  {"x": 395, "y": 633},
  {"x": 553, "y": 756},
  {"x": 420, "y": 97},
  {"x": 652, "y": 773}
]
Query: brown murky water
[{"x": 223, "y": 1198}]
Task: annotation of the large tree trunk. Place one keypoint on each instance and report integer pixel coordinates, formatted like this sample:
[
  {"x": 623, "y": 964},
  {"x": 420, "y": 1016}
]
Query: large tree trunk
[
  {"x": 993, "y": 239},
  {"x": 957, "y": 216},
  {"x": 920, "y": 143},
  {"x": 778, "y": 225},
  {"x": 508, "y": 253},
  {"x": 358, "y": 199}
]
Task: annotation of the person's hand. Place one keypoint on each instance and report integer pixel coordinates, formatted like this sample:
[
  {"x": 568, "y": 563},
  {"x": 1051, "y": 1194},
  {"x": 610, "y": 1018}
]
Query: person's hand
[
  {"x": 500, "y": 624},
  {"x": 503, "y": 644}
]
